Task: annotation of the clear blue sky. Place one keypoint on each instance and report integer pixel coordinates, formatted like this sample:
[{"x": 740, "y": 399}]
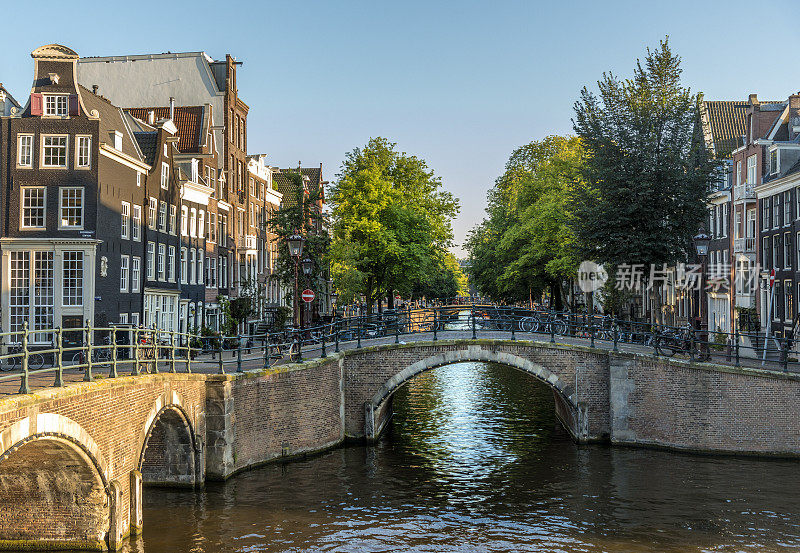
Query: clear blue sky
[{"x": 460, "y": 84}]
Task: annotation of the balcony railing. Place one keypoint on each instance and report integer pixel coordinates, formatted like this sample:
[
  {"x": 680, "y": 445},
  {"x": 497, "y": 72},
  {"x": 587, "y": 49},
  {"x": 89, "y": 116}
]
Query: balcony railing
[
  {"x": 744, "y": 192},
  {"x": 744, "y": 245}
]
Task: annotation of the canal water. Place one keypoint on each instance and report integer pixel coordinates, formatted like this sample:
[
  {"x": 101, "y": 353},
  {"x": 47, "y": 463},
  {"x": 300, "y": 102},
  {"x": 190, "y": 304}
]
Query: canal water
[{"x": 474, "y": 460}]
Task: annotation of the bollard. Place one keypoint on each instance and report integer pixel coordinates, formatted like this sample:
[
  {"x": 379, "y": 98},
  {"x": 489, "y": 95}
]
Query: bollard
[
  {"x": 324, "y": 352},
  {"x": 654, "y": 338},
  {"x": 336, "y": 329},
  {"x": 396, "y": 330},
  {"x": 87, "y": 377},
  {"x": 24, "y": 387},
  {"x": 239, "y": 354},
  {"x": 513, "y": 325},
  {"x": 266, "y": 350},
  {"x": 59, "y": 359},
  {"x": 172, "y": 352},
  {"x": 552, "y": 329},
  {"x": 474, "y": 328},
  {"x": 736, "y": 349},
  {"x": 691, "y": 345},
  {"x": 113, "y": 353},
  {"x": 591, "y": 334},
  {"x": 299, "y": 339},
  {"x": 219, "y": 351},
  {"x": 435, "y": 324},
  {"x": 359, "y": 333},
  {"x": 615, "y": 334},
  {"x": 136, "y": 351},
  {"x": 785, "y": 355}
]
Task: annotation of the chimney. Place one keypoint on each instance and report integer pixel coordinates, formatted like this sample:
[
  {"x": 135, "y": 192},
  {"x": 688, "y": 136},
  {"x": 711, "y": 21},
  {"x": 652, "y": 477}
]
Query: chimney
[
  {"x": 151, "y": 117},
  {"x": 95, "y": 88},
  {"x": 753, "y": 99},
  {"x": 794, "y": 116},
  {"x": 172, "y": 108}
]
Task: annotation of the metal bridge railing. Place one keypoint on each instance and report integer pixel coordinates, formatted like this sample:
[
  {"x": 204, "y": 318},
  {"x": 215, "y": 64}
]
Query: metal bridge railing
[{"x": 90, "y": 352}]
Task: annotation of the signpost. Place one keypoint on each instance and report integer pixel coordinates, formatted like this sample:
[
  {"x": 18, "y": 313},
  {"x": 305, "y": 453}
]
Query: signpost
[{"x": 307, "y": 295}]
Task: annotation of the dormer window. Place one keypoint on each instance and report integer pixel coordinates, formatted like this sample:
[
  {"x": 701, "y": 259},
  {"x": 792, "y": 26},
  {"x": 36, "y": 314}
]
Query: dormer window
[
  {"x": 56, "y": 105},
  {"x": 116, "y": 140},
  {"x": 773, "y": 162},
  {"x": 166, "y": 150}
]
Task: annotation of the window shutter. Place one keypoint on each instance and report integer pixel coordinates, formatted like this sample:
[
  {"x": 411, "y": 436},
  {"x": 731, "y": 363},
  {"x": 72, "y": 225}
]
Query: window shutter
[
  {"x": 36, "y": 104},
  {"x": 73, "y": 105}
]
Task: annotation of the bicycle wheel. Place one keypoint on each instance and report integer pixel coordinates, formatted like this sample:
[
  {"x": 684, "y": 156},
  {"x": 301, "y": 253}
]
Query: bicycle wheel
[
  {"x": 526, "y": 324},
  {"x": 77, "y": 359},
  {"x": 560, "y": 327},
  {"x": 35, "y": 361}
]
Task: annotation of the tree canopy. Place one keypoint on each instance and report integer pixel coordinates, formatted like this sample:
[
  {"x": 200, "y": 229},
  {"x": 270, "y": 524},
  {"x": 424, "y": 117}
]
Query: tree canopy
[
  {"x": 391, "y": 222},
  {"x": 525, "y": 244}
]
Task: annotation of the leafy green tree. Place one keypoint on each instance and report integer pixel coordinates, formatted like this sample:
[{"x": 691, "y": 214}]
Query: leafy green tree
[
  {"x": 447, "y": 280},
  {"x": 646, "y": 179},
  {"x": 391, "y": 223},
  {"x": 299, "y": 214},
  {"x": 525, "y": 245}
]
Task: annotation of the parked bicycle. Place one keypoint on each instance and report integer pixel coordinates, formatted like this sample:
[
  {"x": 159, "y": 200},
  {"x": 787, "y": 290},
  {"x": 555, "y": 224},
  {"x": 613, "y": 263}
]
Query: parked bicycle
[{"x": 35, "y": 360}]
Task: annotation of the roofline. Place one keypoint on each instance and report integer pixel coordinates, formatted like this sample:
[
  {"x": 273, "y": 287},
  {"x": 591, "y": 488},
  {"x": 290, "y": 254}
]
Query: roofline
[{"x": 136, "y": 57}]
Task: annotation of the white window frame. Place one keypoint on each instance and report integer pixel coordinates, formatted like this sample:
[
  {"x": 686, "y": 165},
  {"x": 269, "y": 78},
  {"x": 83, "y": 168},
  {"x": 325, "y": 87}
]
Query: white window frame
[
  {"x": 193, "y": 222},
  {"x": 192, "y": 265},
  {"x": 58, "y": 109},
  {"x": 83, "y": 161},
  {"x": 125, "y": 216},
  {"x": 184, "y": 266},
  {"x": 77, "y": 300},
  {"x": 173, "y": 210},
  {"x": 42, "y": 157},
  {"x": 152, "y": 212},
  {"x": 151, "y": 261},
  {"x": 28, "y": 140},
  {"x": 165, "y": 175},
  {"x": 201, "y": 267},
  {"x": 61, "y": 207},
  {"x": 162, "y": 262},
  {"x": 171, "y": 264},
  {"x": 201, "y": 224},
  {"x": 751, "y": 169},
  {"x": 22, "y": 224},
  {"x": 136, "y": 233},
  {"x": 787, "y": 250},
  {"x": 162, "y": 216},
  {"x": 184, "y": 220},
  {"x": 124, "y": 273},
  {"x": 136, "y": 273}
]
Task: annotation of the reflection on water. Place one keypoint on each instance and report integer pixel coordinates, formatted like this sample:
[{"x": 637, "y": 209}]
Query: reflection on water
[{"x": 474, "y": 460}]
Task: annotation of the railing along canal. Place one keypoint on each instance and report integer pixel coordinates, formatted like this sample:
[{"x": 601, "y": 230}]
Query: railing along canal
[{"x": 55, "y": 357}]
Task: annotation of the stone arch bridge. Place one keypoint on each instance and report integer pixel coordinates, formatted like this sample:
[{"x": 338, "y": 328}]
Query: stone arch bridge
[{"x": 74, "y": 460}]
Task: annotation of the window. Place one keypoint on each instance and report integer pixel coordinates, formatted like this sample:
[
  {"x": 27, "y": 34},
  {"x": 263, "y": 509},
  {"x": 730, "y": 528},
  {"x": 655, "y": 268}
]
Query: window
[
  {"x": 738, "y": 173},
  {"x": 193, "y": 223},
  {"x": 43, "y": 295},
  {"x": 773, "y": 162},
  {"x": 765, "y": 252},
  {"x": 19, "y": 302},
  {"x": 71, "y": 208},
  {"x": 136, "y": 273},
  {"x": 776, "y": 211},
  {"x": 123, "y": 273},
  {"x": 72, "y": 279},
  {"x": 776, "y": 249},
  {"x": 125, "y": 216},
  {"x": 151, "y": 260},
  {"x": 201, "y": 224},
  {"x": 252, "y": 186},
  {"x": 137, "y": 222},
  {"x": 751, "y": 169},
  {"x": 765, "y": 213},
  {"x": 192, "y": 265},
  {"x": 166, "y": 150},
  {"x": 172, "y": 218},
  {"x": 56, "y": 104},
  {"x": 84, "y": 152},
  {"x": 211, "y": 273},
  {"x": 162, "y": 261},
  {"x": 223, "y": 230},
  {"x": 171, "y": 264},
  {"x": 165, "y": 174},
  {"x": 787, "y": 208},
  {"x": 787, "y": 300},
  {"x": 184, "y": 220},
  {"x": 33, "y": 207},
  {"x": 138, "y": 179},
  {"x": 787, "y": 251},
  {"x": 135, "y": 319},
  {"x": 54, "y": 151},
  {"x": 212, "y": 227},
  {"x": 25, "y": 150},
  {"x": 184, "y": 269},
  {"x": 162, "y": 217},
  {"x": 200, "y": 267},
  {"x": 151, "y": 213}
]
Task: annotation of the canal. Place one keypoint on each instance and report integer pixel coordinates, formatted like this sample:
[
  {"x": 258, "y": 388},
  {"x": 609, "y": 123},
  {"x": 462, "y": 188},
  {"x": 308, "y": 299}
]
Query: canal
[{"x": 474, "y": 460}]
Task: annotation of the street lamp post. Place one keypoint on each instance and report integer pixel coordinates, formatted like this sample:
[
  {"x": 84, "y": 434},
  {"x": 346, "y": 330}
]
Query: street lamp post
[
  {"x": 701, "y": 242},
  {"x": 295, "y": 243},
  {"x": 308, "y": 266}
]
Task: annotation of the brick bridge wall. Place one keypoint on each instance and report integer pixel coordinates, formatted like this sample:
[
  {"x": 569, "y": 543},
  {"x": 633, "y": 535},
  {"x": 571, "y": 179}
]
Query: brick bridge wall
[{"x": 72, "y": 460}]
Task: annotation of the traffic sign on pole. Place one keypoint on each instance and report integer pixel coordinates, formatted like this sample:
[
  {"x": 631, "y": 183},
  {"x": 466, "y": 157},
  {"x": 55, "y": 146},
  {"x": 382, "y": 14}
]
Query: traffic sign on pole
[{"x": 307, "y": 295}]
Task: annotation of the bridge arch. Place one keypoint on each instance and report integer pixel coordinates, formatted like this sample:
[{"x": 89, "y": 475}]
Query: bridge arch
[
  {"x": 568, "y": 410},
  {"x": 52, "y": 471},
  {"x": 170, "y": 453}
]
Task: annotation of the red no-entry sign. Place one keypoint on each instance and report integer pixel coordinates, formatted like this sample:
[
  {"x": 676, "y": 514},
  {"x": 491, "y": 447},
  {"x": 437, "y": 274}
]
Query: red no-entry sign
[{"x": 307, "y": 295}]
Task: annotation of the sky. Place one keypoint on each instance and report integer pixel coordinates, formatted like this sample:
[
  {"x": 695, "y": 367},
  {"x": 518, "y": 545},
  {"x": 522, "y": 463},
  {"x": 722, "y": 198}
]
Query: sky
[{"x": 459, "y": 84}]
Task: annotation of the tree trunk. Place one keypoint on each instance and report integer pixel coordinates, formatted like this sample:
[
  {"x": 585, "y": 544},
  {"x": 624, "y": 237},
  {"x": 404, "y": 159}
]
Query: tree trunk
[{"x": 390, "y": 300}]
